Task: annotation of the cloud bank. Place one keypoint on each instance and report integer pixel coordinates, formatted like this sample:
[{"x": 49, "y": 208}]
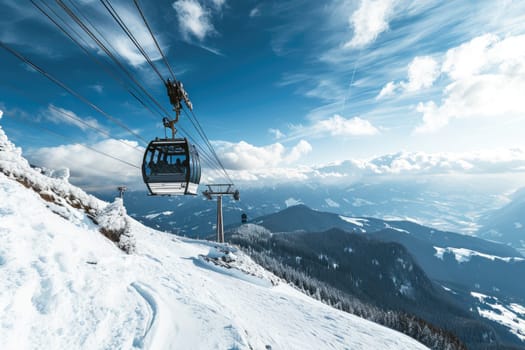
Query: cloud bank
[
  {"x": 92, "y": 170},
  {"x": 272, "y": 164},
  {"x": 402, "y": 165},
  {"x": 245, "y": 156},
  {"x": 487, "y": 80}
]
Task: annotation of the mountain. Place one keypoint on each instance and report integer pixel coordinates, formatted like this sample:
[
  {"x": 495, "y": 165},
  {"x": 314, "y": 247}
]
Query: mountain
[
  {"x": 300, "y": 218},
  {"x": 483, "y": 267},
  {"x": 506, "y": 224},
  {"x": 435, "y": 202},
  {"x": 305, "y": 219},
  {"x": 66, "y": 281},
  {"x": 374, "y": 271},
  {"x": 462, "y": 266}
]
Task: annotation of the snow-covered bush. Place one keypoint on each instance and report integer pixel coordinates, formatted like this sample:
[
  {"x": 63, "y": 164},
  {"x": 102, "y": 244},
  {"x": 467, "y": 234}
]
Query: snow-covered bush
[
  {"x": 115, "y": 225},
  {"x": 127, "y": 242},
  {"x": 62, "y": 174}
]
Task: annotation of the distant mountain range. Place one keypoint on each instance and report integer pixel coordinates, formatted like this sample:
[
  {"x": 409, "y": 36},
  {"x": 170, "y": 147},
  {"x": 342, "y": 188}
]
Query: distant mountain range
[
  {"x": 433, "y": 202},
  {"x": 445, "y": 256},
  {"x": 464, "y": 270},
  {"x": 507, "y": 224}
]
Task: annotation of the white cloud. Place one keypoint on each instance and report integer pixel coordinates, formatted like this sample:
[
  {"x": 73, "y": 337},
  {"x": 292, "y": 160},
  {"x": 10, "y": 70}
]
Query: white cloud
[
  {"x": 59, "y": 115},
  {"x": 193, "y": 19},
  {"x": 422, "y": 73},
  {"x": 245, "y": 156},
  {"x": 218, "y": 3},
  {"x": 93, "y": 170},
  {"x": 468, "y": 59},
  {"x": 368, "y": 21},
  {"x": 298, "y": 151},
  {"x": 398, "y": 165},
  {"x": 277, "y": 134},
  {"x": 1, "y": 114},
  {"x": 98, "y": 88},
  {"x": 410, "y": 163},
  {"x": 255, "y": 12},
  {"x": 340, "y": 126},
  {"x": 326, "y": 89},
  {"x": 481, "y": 162},
  {"x": 119, "y": 39},
  {"x": 432, "y": 118},
  {"x": 266, "y": 177},
  {"x": 388, "y": 90},
  {"x": 212, "y": 50},
  {"x": 333, "y": 126},
  {"x": 487, "y": 81},
  {"x": 272, "y": 164}
]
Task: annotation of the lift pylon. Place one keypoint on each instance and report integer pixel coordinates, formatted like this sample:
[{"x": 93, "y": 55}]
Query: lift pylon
[
  {"x": 219, "y": 190},
  {"x": 121, "y": 190}
]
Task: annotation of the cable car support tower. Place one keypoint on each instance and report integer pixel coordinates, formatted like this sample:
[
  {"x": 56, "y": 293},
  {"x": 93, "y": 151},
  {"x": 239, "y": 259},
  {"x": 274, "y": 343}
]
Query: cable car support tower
[{"x": 219, "y": 190}]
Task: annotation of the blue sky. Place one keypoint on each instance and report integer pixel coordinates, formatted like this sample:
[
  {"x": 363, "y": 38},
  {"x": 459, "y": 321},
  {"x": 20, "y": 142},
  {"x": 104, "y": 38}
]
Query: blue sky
[{"x": 284, "y": 88}]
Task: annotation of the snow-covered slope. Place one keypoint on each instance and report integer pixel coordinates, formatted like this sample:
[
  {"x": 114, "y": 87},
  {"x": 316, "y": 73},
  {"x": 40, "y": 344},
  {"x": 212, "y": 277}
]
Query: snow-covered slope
[{"x": 63, "y": 285}]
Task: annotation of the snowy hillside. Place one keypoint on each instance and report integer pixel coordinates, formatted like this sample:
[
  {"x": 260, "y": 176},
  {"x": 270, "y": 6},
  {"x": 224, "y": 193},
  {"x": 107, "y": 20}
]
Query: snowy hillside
[{"x": 63, "y": 285}]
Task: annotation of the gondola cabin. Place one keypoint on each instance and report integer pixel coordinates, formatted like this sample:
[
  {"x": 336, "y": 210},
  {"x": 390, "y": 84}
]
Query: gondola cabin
[{"x": 171, "y": 167}]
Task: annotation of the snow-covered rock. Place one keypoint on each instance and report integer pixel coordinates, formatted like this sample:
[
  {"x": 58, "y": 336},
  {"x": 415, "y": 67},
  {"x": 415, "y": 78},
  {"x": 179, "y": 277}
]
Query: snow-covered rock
[
  {"x": 62, "y": 174},
  {"x": 53, "y": 189}
]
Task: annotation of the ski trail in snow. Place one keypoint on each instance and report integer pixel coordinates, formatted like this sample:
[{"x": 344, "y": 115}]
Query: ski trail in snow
[
  {"x": 161, "y": 329},
  {"x": 153, "y": 308}
]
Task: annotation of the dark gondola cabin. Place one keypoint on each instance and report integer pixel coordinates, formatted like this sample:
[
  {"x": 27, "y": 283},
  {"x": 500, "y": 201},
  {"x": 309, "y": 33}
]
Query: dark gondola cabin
[{"x": 171, "y": 167}]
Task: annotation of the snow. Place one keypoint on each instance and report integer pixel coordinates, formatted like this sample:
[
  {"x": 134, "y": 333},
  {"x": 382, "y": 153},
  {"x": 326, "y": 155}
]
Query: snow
[
  {"x": 290, "y": 202},
  {"x": 356, "y": 221},
  {"x": 511, "y": 316},
  {"x": 464, "y": 255},
  {"x": 406, "y": 289},
  {"x": 359, "y": 202},
  {"x": 395, "y": 228},
  {"x": 63, "y": 285},
  {"x": 254, "y": 230},
  {"x": 448, "y": 290},
  {"x": 152, "y": 216},
  {"x": 155, "y": 215},
  {"x": 55, "y": 190},
  {"x": 331, "y": 203},
  {"x": 113, "y": 217},
  {"x": 439, "y": 252},
  {"x": 517, "y": 308},
  {"x": 67, "y": 286},
  {"x": 481, "y": 297}
]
